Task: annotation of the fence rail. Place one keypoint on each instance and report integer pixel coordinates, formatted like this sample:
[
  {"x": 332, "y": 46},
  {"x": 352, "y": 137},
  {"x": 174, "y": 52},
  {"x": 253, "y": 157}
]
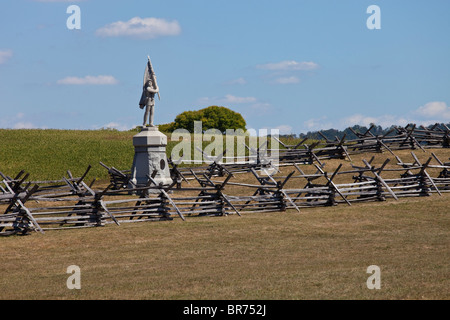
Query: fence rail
[{"x": 69, "y": 203}]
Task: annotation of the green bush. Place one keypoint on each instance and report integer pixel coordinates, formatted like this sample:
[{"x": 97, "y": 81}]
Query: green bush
[{"x": 213, "y": 117}]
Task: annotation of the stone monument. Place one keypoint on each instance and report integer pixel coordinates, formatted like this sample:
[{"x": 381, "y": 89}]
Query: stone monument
[{"x": 149, "y": 144}]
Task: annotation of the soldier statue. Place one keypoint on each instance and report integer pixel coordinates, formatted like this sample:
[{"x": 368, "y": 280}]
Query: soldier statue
[{"x": 148, "y": 94}]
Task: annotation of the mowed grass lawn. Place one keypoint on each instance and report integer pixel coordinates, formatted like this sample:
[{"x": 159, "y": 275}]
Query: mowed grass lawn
[
  {"x": 48, "y": 154},
  {"x": 320, "y": 253}
]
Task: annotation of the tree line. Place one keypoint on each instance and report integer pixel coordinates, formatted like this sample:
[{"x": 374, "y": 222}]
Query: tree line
[{"x": 331, "y": 134}]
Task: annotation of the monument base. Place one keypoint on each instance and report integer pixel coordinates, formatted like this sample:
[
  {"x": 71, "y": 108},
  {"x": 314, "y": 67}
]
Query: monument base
[{"x": 149, "y": 156}]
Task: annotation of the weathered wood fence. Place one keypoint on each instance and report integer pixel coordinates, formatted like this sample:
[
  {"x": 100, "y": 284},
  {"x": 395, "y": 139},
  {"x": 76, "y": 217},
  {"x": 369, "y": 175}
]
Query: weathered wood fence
[{"x": 70, "y": 203}]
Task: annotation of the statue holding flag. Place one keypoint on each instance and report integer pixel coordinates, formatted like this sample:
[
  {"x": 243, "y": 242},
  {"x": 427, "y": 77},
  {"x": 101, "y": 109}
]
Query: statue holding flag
[
  {"x": 148, "y": 94},
  {"x": 150, "y": 159}
]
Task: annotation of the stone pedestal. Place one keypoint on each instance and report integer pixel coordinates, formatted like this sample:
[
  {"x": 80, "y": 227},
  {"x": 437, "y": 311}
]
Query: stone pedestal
[{"x": 149, "y": 155}]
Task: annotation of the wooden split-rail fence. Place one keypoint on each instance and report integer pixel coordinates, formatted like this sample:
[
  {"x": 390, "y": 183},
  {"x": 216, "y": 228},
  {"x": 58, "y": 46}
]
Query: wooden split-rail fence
[
  {"x": 69, "y": 203},
  {"x": 398, "y": 138},
  {"x": 304, "y": 152}
]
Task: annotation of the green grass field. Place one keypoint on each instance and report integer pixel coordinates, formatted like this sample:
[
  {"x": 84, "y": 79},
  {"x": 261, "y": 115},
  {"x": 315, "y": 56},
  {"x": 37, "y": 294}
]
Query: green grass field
[
  {"x": 48, "y": 154},
  {"x": 320, "y": 253}
]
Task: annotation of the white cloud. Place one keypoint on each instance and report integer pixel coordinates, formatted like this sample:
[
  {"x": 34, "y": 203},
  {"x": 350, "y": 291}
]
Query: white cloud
[
  {"x": 324, "y": 123},
  {"x": 20, "y": 115},
  {"x": 24, "y": 125},
  {"x": 286, "y": 72},
  {"x": 357, "y": 119},
  {"x": 260, "y": 108},
  {"x": 317, "y": 124},
  {"x": 206, "y": 100},
  {"x": 383, "y": 120},
  {"x": 89, "y": 80},
  {"x": 240, "y": 81},
  {"x": 281, "y": 129},
  {"x": 430, "y": 113},
  {"x": 289, "y": 65},
  {"x": 227, "y": 99},
  {"x": 115, "y": 125},
  {"x": 435, "y": 109},
  {"x": 17, "y": 121},
  {"x": 284, "y": 129},
  {"x": 5, "y": 55},
  {"x": 147, "y": 28},
  {"x": 249, "y": 106},
  {"x": 287, "y": 80},
  {"x": 234, "y": 99}
]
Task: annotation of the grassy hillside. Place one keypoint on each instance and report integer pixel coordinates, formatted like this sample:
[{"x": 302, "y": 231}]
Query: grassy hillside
[{"x": 48, "y": 154}]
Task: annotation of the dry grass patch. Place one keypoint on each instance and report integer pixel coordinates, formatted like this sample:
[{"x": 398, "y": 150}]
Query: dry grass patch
[{"x": 322, "y": 253}]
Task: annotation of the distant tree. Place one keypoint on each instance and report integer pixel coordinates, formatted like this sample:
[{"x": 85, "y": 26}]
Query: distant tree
[
  {"x": 186, "y": 120},
  {"x": 213, "y": 117},
  {"x": 167, "y": 127}
]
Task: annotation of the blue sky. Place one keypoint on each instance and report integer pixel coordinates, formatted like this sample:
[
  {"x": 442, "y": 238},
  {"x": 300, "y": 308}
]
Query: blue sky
[{"x": 291, "y": 64}]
